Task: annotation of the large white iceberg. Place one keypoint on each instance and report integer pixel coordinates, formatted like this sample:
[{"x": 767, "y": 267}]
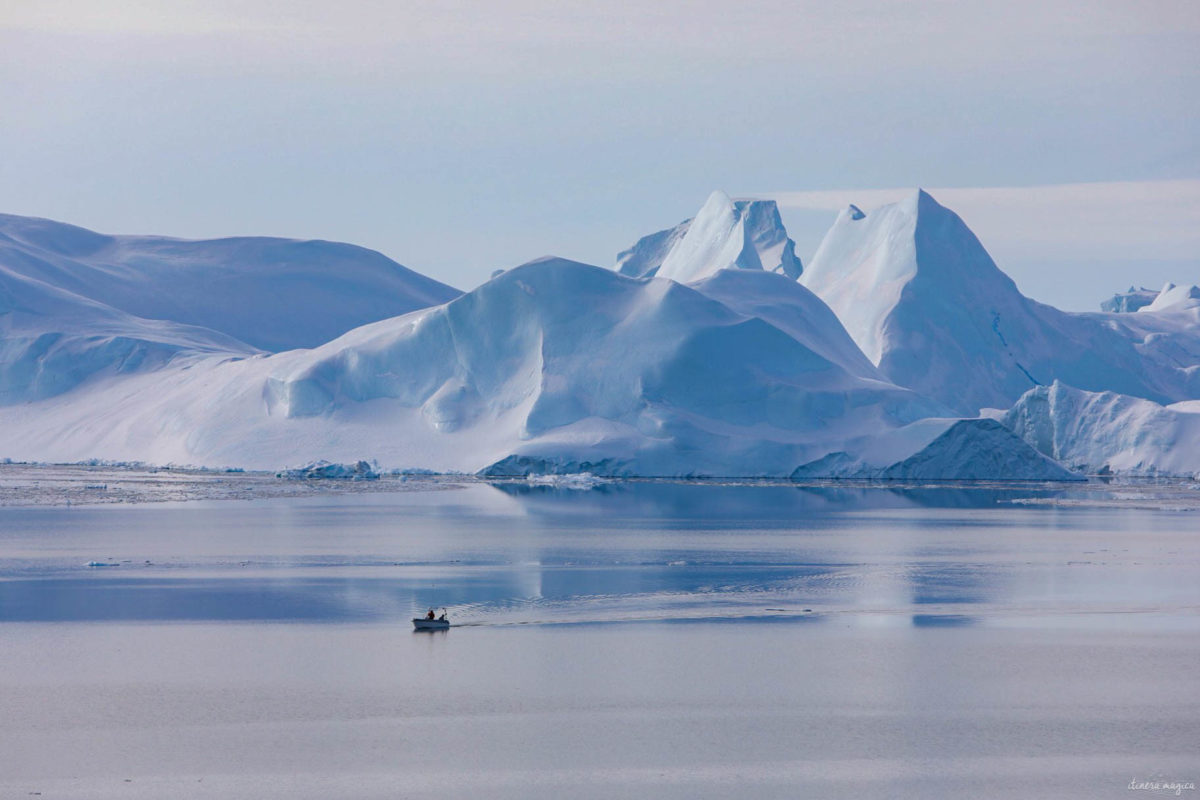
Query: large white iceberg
[
  {"x": 272, "y": 294},
  {"x": 1106, "y": 432},
  {"x": 721, "y": 365},
  {"x": 926, "y": 303},
  {"x": 552, "y": 367}
]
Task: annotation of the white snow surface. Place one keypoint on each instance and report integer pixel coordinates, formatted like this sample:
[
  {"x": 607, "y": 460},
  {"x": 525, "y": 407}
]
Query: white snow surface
[
  {"x": 922, "y": 298},
  {"x": 1174, "y": 298},
  {"x": 647, "y": 254},
  {"x": 793, "y": 309},
  {"x": 728, "y": 368},
  {"x": 725, "y": 234},
  {"x": 551, "y": 367},
  {"x": 272, "y": 294},
  {"x": 52, "y": 340},
  {"x": 1105, "y": 432}
]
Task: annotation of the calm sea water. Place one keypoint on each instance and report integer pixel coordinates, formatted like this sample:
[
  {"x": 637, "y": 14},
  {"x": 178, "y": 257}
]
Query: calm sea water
[{"x": 632, "y": 640}]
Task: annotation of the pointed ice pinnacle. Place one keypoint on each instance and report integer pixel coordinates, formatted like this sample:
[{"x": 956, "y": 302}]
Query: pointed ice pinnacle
[
  {"x": 726, "y": 234},
  {"x": 918, "y": 292}
]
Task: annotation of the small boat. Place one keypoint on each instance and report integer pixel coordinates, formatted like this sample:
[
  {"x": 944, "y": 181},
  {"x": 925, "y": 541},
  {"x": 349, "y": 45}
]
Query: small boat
[{"x": 431, "y": 623}]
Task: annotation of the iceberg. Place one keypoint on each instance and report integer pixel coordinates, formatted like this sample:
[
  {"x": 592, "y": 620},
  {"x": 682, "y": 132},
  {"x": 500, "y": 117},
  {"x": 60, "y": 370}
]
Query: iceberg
[
  {"x": 1108, "y": 433},
  {"x": 551, "y": 367},
  {"x": 714, "y": 362},
  {"x": 942, "y": 450},
  {"x": 1132, "y": 300},
  {"x": 570, "y": 368},
  {"x": 922, "y": 298},
  {"x": 324, "y": 470},
  {"x": 725, "y": 234},
  {"x": 270, "y": 294}
]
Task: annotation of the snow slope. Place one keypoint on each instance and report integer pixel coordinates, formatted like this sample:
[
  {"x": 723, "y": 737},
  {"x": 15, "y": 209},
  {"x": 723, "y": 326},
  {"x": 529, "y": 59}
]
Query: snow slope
[
  {"x": 793, "y": 309},
  {"x": 53, "y": 341},
  {"x": 551, "y": 367},
  {"x": 1105, "y": 432},
  {"x": 647, "y": 254},
  {"x": 1174, "y": 298},
  {"x": 272, "y": 294},
  {"x": 726, "y": 234},
  {"x": 926, "y": 303}
]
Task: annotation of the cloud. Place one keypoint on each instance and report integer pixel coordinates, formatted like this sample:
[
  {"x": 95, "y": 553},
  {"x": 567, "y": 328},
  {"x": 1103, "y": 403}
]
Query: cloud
[{"x": 1127, "y": 220}]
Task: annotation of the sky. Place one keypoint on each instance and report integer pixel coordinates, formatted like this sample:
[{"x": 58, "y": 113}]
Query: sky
[{"x": 462, "y": 137}]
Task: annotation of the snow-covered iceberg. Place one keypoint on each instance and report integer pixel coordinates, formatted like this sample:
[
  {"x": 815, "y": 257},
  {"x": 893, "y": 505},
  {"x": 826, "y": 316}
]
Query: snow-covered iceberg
[
  {"x": 1105, "y": 432},
  {"x": 53, "y": 341},
  {"x": 938, "y": 449},
  {"x": 725, "y": 234},
  {"x": 272, "y": 294},
  {"x": 557, "y": 366},
  {"x": 722, "y": 365},
  {"x": 324, "y": 470},
  {"x": 552, "y": 367},
  {"x": 923, "y": 299}
]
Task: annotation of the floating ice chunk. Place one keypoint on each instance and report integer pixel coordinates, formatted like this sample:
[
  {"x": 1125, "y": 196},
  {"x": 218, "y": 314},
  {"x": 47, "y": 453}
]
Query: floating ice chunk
[
  {"x": 322, "y": 470},
  {"x": 579, "y": 481}
]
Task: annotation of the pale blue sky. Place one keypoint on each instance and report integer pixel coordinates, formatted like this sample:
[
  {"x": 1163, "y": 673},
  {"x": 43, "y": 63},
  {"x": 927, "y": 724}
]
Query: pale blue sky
[{"x": 462, "y": 137}]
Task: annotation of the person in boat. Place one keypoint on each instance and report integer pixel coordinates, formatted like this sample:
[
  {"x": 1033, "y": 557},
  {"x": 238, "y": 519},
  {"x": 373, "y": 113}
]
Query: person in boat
[
  {"x": 442, "y": 618},
  {"x": 430, "y": 614}
]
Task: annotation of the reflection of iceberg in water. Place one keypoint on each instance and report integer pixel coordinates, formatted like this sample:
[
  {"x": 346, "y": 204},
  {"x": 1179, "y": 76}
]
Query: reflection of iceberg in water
[
  {"x": 953, "y": 586},
  {"x": 942, "y": 620},
  {"x": 623, "y": 551},
  {"x": 735, "y": 548},
  {"x": 700, "y": 500}
]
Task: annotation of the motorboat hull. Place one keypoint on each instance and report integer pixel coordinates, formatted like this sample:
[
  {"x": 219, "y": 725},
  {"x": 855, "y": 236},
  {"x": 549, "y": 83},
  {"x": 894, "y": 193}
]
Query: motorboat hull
[{"x": 431, "y": 624}]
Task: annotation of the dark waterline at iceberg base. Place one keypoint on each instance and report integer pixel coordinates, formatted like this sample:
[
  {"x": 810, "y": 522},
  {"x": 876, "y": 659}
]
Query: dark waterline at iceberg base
[{"x": 636, "y": 639}]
